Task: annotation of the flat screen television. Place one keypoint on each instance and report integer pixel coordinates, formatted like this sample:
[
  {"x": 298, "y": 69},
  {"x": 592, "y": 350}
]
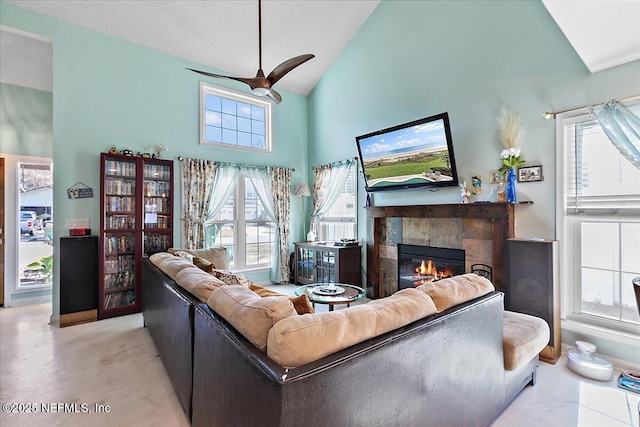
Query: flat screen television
[{"x": 410, "y": 155}]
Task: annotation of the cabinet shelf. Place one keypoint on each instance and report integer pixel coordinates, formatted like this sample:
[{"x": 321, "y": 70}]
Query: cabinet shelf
[{"x": 127, "y": 184}]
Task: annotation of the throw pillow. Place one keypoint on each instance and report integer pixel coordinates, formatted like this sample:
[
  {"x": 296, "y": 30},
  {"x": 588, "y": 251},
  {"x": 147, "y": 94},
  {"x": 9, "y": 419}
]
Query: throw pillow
[
  {"x": 203, "y": 264},
  {"x": 232, "y": 278},
  {"x": 300, "y": 303}
]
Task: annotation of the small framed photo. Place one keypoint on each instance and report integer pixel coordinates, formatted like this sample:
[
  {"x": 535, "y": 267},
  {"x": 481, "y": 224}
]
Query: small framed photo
[
  {"x": 496, "y": 177},
  {"x": 530, "y": 174}
]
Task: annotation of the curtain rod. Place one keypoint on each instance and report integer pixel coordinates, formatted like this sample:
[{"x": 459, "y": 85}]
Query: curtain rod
[
  {"x": 180, "y": 158},
  {"x": 552, "y": 114}
]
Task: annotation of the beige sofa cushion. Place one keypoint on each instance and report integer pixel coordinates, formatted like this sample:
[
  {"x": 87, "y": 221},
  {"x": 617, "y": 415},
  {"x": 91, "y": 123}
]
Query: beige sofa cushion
[
  {"x": 159, "y": 256},
  {"x": 199, "y": 283},
  {"x": 524, "y": 337},
  {"x": 172, "y": 265},
  {"x": 252, "y": 315},
  {"x": 216, "y": 256},
  {"x": 297, "y": 340},
  {"x": 455, "y": 290}
]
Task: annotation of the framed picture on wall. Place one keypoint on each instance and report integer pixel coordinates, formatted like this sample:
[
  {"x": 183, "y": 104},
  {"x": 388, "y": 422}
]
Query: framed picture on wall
[
  {"x": 496, "y": 176},
  {"x": 530, "y": 174}
]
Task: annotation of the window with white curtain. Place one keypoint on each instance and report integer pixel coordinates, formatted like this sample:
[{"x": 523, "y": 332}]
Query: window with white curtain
[
  {"x": 243, "y": 227},
  {"x": 341, "y": 220},
  {"x": 600, "y": 225}
]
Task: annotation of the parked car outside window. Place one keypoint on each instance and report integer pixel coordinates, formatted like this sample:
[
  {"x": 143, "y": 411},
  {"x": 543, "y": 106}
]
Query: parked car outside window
[{"x": 27, "y": 222}]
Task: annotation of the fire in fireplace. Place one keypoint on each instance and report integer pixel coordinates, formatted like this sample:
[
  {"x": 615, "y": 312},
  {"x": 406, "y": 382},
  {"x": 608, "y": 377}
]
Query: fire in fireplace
[{"x": 418, "y": 265}]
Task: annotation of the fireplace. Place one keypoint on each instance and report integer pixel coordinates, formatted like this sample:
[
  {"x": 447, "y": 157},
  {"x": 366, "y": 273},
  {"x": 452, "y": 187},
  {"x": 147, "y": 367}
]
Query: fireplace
[{"x": 418, "y": 265}]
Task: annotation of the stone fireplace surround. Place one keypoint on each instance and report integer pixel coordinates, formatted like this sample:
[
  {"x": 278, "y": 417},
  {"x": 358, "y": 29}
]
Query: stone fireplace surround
[{"x": 481, "y": 229}]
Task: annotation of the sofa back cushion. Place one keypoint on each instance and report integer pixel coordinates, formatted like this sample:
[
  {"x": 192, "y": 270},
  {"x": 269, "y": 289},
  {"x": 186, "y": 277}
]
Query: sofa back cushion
[
  {"x": 457, "y": 289},
  {"x": 298, "y": 340},
  {"x": 172, "y": 265},
  {"x": 250, "y": 314},
  {"x": 217, "y": 256},
  {"x": 199, "y": 283}
]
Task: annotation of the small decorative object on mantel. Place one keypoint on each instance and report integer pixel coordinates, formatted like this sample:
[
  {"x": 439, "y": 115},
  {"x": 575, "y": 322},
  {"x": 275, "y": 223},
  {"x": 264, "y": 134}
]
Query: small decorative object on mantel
[
  {"x": 476, "y": 184},
  {"x": 511, "y": 134},
  {"x": 530, "y": 174},
  {"x": 79, "y": 191},
  {"x": 464, "y": 193}
]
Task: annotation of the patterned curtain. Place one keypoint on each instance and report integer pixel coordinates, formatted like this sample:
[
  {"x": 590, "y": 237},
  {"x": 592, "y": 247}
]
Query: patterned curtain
[
  {"x": 328, "y": 182},
  {"x": 272, "y": 185},
  {"x": 197, "y": 182}
]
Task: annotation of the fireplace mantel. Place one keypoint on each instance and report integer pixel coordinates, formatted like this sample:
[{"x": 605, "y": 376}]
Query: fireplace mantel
[{"x": 480, "y": 228}]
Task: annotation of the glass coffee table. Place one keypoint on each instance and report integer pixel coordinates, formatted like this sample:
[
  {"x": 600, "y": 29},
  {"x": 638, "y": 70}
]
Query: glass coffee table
[{"x": 331, "y": 293}]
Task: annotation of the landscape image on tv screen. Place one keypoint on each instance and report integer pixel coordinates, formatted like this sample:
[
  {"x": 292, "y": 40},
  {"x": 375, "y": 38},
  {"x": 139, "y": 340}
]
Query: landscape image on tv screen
[{"x": 411, "y": 156}]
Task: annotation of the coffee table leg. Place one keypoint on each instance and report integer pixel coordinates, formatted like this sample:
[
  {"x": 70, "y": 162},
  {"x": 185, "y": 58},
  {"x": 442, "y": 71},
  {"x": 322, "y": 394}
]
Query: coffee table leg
[{"x": 330, "y": 307}]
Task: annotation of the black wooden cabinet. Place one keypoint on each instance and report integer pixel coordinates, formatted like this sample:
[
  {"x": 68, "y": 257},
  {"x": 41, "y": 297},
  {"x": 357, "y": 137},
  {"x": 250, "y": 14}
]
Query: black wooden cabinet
[{"x": 78, "y": 279}]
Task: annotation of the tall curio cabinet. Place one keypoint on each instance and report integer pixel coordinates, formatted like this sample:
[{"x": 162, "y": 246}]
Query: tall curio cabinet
[{"x": 136, "y": 220}]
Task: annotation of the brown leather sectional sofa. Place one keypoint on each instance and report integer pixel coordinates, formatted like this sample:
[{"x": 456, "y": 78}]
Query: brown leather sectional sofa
[{"x": 443, "y": 370}]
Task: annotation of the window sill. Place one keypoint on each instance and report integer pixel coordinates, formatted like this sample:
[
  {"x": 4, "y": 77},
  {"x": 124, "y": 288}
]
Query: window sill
[
  {"x": 600, "y": 332},
  {"x": 253, "y": 270}
]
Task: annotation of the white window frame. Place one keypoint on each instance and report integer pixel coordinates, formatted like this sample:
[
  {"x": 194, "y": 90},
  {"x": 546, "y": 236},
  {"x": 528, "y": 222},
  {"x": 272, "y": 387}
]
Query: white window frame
[
  {"x": 568, "y": 227},
  {"x": 208, "y": 89},
  {"x": 239, "y": 234},
  {"x": 337, "y": 220}
]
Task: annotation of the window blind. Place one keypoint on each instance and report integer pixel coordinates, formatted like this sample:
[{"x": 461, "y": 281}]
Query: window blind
[{"x": 598, "y": 179}]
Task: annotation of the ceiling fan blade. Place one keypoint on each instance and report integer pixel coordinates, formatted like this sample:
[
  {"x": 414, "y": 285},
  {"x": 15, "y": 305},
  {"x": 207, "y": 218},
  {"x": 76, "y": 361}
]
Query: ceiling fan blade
[
  {"x": 287, "y": 66},
  {"x": 275, "y": 96},
  {"x": 220, "y": 76}
]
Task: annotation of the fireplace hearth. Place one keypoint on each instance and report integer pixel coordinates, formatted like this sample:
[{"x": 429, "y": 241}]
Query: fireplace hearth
[{"x": 418, "y": 265}]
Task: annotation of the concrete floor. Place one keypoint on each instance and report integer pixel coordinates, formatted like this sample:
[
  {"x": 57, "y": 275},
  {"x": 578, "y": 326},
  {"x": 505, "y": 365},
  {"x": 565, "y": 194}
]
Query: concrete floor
[{"x": 113, "y": 364}]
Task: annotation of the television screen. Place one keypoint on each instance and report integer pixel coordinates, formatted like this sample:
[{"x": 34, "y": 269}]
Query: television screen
[{"x": 415, "y": 154}]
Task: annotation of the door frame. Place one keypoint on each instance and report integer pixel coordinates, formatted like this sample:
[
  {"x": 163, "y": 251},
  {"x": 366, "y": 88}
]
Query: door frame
[{"x": 2, "y": 231}]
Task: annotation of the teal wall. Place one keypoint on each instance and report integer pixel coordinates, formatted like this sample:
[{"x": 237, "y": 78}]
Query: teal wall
[
  {"x": 26, "y": 121},
  {"x": 413, "y": 59},
  {"x": 109, "y": 92}
]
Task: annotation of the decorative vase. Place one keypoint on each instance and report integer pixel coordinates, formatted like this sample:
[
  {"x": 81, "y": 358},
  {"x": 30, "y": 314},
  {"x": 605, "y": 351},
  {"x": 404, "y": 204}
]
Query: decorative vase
[
  {"x": 311, "y": 236},
  {"x": 511, "y": 186}
]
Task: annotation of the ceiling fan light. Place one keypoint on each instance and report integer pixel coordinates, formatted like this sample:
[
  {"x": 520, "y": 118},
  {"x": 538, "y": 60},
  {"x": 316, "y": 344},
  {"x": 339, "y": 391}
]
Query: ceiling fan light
[{"x": 260, "y": 91}]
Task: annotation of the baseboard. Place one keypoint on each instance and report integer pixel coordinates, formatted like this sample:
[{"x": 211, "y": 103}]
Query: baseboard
[{"x": 78, "y": 318}]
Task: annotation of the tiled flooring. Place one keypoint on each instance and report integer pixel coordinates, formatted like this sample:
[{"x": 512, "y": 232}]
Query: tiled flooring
[{"x": 113, "y": 362}]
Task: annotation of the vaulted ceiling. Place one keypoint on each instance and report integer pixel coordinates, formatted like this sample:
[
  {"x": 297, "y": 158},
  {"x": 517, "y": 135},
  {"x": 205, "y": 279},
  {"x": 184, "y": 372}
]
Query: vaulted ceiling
[{"x": 223, "y": 34}]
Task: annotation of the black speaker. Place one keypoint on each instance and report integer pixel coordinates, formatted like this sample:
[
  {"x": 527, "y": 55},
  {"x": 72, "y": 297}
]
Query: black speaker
[
  {"x": 78, "y": 275},
  {"x": 532, "y": 285}
]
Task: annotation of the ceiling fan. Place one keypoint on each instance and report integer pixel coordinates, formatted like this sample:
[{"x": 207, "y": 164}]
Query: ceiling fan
[{"x": 261, "y": 85}]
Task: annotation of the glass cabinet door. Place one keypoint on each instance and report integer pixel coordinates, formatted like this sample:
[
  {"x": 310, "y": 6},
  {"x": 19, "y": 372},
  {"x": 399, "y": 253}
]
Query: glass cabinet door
[
  {"x": 305, "y": 265},
  {"x": 157, "y": 218},
  {"x": 119, "y": 199},
  {"x": 325, "y": 266}
]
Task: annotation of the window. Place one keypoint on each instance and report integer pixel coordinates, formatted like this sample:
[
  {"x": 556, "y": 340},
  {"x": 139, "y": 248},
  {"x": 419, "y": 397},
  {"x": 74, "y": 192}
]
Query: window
[
  {"x": 243, "y": 227},
  {"x": 600, "y": 225},
  {"x": 35, "y": 201},
  {"x": 233, "y": 119},
  {"x": 340, "y": 221}
]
